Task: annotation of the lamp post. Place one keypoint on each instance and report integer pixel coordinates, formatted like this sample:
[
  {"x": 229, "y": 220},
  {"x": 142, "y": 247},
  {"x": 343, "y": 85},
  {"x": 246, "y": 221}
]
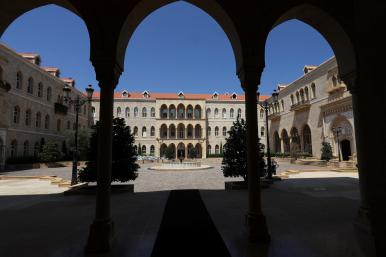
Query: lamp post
[
  {"x": 77, "y": 102},
  {"x": 265, "y": 106},
  {"x": 337, "y": 131}
]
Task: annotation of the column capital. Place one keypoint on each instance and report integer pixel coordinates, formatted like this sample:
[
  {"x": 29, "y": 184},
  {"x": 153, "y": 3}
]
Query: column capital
[
  {"x": 350, "y": 79},
  {"x": 250, "y": 76},
  {"x": 107, "y": 72}
]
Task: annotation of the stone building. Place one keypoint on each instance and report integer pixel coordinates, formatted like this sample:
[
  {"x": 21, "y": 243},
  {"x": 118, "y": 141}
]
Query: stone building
[
  {"x": 313, "y": 109},
  {"x": 181, "y": 121},
  {"x": 32, "y": 108}
]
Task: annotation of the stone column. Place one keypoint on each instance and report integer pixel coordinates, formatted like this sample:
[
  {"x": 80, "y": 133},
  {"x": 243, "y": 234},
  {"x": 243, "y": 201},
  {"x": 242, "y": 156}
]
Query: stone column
[
  {"x": 282, "y": 144},
  {"x": 102, "y": 229},
  {"x": 255, "y": 220}
]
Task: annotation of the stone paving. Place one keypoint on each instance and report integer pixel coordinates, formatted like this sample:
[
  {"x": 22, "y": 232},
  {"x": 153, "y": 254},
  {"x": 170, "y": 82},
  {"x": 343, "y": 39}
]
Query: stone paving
[{"x": 310, "y": 214}]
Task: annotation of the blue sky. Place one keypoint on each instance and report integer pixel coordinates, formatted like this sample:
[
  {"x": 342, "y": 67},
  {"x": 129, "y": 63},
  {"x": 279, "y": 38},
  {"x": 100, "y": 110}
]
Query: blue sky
[{"x": 178, "y": 47}]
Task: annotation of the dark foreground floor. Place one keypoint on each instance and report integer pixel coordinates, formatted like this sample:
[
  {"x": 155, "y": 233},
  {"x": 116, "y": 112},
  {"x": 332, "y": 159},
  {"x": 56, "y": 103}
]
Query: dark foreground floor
[{"x": 306, "y": 218}]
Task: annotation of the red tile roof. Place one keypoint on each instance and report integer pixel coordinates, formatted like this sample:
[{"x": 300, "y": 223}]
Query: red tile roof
[{"x": 153, "y": 96}]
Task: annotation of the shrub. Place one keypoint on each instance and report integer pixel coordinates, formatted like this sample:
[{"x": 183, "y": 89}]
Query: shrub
[
  {"x": 234, "y": 163},
  {"x": 124, "y": 166},
  {"x": 50, "y": 152},
  {"x": 326, "y": 151}
]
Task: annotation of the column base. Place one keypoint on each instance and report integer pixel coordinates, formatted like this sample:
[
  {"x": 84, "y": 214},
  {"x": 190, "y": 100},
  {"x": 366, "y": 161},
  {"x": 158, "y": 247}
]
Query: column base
[
  {"x": 257, "y": 228},
  {"x": 101, "y": 236},
  {"x": 364, "y": 233}
]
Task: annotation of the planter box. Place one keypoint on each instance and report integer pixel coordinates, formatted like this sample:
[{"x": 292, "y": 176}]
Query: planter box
[
  {"x": 236, "y": 185},
  {"x": 86, "y": 189}
]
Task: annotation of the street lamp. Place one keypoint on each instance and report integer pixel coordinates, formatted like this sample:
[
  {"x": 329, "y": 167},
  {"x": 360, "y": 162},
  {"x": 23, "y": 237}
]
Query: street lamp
[
  {"x": 265, "y": 106},
  {"x": 77, "y": 102},
  {"x": 337, "y": 131}
]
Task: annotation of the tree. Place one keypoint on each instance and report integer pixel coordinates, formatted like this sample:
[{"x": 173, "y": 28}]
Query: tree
[
  {"x": 193, "y": 153},
  {"x": 234, "y": 163},
  {"x": 169, "y": 153},
  {"x": 50, "y": 152},
  {"x": 124, "y": 166},
  {"x": 83, "y": 141},
  {"x": 326, "y": 151}
]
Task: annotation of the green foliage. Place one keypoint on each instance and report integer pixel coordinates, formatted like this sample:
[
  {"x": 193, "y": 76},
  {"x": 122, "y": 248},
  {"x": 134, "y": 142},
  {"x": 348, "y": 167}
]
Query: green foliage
[
  {"x": 193, "y": 153},
  {"x": 124, "y": 166},
  {"x": 326, "y": 151},
  {"x": 83, "y": 142},
  {"x": 50, "y": 152},
  {"x": 234, "y": 163},
  {"x": 169, "y": 153}
]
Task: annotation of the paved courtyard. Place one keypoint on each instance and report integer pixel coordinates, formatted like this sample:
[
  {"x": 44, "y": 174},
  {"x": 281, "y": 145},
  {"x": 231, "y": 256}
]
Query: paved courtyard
[{"x": 310, "y": 214}]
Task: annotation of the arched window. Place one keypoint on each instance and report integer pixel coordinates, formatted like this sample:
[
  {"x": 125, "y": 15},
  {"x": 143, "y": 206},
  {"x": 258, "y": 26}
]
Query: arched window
[
  {"x": 40, "y": 89},
  {"x": 181, "y": 131},
  {"x": 190, "y": 131},
  {"x": 28, "y": 117},
  {"x": 164, "y": 112},
  {"x": 209, "y": 149},
  {"x": 152, "y": 131},
  {"x": 216, "y": 131},
  {"x": 262, "y": 131},
  {"x": 307, "y": 140},
  {"x": 47, "y": 122},
  {"x": 197, "y": 112},
  {"x": 209, "y": 131},
  {"x": 30, "y": 87},
  {"x": 224, "y": 131},
  {"x": 144, "y": 112},
  {"x": 217, "y": 149},
  {"x": 119, "y": 111},
  {"x": 216, "y": 113},
  {"x": 152, "y": 112},
  {"x": 208, "y": 112},
  {"x": 306, "y": 93},
  {"x": 38, "y": 121},
  {"x": 239, "y": 113},
  {"x": 292, "y": 100},
  {"x": 197, "y": 131},
  {"x": 16, "y": 114},
  {"x": 19, "y": 80},
  {"x": 135, "y": 132},
  {"x": 189, "y": 112},
  {"x": 224, "y": 113},
  {"x": 232, "y": 113},
  {"x": 313, "y": 91},
  {"x": 127, "y": 112},
  {"x": 58, "y": 124},
  {"x": 26, "y": 148},
  {"x": 135, "y": 111},
  {"x": 143, "y": 149},
  {"x": 152, "y": 150},
  {"x": 14, "y": 148},
  {"x": 297, "y": 97},
  {"x": 49, "y": 94},
  {"x": 143, "y": 131},
  {"x": 261, "y": 114}
]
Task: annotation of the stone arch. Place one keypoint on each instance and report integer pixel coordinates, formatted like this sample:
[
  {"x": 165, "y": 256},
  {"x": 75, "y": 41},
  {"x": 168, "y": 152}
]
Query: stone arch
[
  {"x": 163, "y": 131},
  {"x": 197, "y": 112},
  {"x": 181, "y": 131},
  {"x": 189, "y": 111},
  {"x": 307, "y": 139},
  {"x": 346, "y": 136},
  {"x": 189, "y": 149},
  {"x": 295, "y": 140},
  {"x": 330, "y": 29},
  {"x": 163, "y": 148},
  {"x": 276, "y": 142},
  {"x": 197, "y": 131},
  {"x": 189, "y": 130},
  {"x": 145, "y": 7},
  {"x": 164, "y": 111},
  {"x": 172, "y": 111},
  {"x": 181, "y": 111},
  {"x": 181, "y": 152},
  {"x": 172, "y": 131},
  {"x": 199, "y": 150}
]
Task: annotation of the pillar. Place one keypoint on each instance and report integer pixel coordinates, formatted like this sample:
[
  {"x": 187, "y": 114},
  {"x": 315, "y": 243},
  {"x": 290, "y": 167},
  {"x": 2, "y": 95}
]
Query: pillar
[
  {"x": 255, "y": 220},
  {"x": 370, "y": 223},
  {"x": 102, "y": 229},
  {"x": 282, "y": 149}
]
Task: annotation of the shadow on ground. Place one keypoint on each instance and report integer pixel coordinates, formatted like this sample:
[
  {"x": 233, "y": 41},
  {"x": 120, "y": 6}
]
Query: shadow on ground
[{"x": 306, "y": 217}]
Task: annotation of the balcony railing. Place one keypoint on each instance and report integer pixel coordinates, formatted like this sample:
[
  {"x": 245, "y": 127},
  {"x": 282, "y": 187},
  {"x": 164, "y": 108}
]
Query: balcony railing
[
  {"x": 301, "y": 106},
  {"x": 274, "y": 116},
  {"x": 339, "y": 88},
  {"x": 61, "y": 109}
]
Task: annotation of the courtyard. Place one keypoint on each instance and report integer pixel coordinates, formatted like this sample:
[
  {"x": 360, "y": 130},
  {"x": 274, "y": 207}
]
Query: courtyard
[{"x": 308, "y": 214}]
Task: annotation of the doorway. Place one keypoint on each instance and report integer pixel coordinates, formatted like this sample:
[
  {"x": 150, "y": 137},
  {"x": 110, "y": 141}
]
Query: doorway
[{"x": 346, "y": 149}]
